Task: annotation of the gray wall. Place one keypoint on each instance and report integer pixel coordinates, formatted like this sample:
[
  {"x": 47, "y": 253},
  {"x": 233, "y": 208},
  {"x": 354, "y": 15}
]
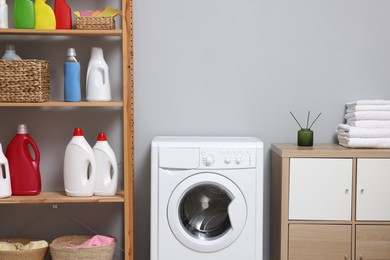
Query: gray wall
[{"x": 237, "y": 67}]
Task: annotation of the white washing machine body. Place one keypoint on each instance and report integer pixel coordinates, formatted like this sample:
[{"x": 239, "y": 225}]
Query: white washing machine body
[{"x": 206, "y": 198}]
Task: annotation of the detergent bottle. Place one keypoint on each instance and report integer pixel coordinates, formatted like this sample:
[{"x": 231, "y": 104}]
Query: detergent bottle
[
  {"x": 63, "y": 15},
  {"x": 24, "y": 163},
  {"x": 24, "y": 14},
  {"x": 3, "y": 14},
  {"x": 10, "y": 53},
  {"x": 79, "y": 167},
  {"x": 5, "y": 178},
  {"x": 98, "y": 82},
  {"x": 44, "y": 15},
  {"x": 72, "y": 91},
  {"x": 106, "y": 167}
]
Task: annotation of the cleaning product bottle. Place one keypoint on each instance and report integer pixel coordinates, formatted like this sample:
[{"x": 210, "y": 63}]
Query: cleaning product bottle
[
  {"x": 3, "y": 14},
  {"x": 23, "y": 165},
  {"x": 24, "y": 14},
  {"x": 106, "y": 167},
  {"x": 79, "y": 167},
  {"x": 72, "y": 91},
  {"x": 98, "y": 82},
  {"x": 63, "y": 15},
  {"x": 44, "y": 15},
  {"x": 10, "y": 53},
  {"x": 5, "y": 178}
]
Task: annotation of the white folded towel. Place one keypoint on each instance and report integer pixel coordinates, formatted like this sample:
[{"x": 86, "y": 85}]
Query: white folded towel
[
  {"x": 364, "y": 142},
  {"x": 368, "y": 102},
  {"x": 369, "y": 123},
  {"x": 360, "y": 132},
  {"x": 355, "y": 108},
  {"x": 368, "y": 115}
]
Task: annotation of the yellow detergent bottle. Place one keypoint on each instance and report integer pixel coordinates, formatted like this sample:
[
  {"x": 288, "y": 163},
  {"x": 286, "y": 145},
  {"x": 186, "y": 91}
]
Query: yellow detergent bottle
[{"x": 44, "y": 16}]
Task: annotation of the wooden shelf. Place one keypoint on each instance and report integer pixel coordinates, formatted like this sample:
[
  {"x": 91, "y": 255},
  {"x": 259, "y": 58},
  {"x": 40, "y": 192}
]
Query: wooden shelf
[
  {"x": 74, "y": 32},
  {"x": 60, "y": 197},
  {"x": 65, "y": 104}
]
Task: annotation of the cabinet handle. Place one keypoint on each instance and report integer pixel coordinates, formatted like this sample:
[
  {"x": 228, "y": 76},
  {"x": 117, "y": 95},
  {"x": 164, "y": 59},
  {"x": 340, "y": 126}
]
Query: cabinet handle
[
  {"x": 361, "y": 191},
  {"x": 345, "y": 257},
  {"x": 346, "y": 191},
  {"x": 361, "y": 257}
]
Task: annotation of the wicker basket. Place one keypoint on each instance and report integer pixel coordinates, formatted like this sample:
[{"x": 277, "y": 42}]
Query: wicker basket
[
  {"x": 95, "y": 23},
  {"x": 24, "y": 81},
  {"x": 30, "y": 254},
  {"x": 59, "y": 250}
]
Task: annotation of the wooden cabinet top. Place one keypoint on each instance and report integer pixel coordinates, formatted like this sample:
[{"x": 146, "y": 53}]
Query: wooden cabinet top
[{"x": 327, "y": 150}]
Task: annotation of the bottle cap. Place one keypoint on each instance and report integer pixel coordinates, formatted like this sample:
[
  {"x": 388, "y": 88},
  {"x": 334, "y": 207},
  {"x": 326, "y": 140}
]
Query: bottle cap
[
  {"x": 22, "y": 129},
  {"x": 78, "y": 132},
  {"x": 71, "y": 52},
  {"x": 102, "y": 137},
  {"x": 10, "y": 47}
]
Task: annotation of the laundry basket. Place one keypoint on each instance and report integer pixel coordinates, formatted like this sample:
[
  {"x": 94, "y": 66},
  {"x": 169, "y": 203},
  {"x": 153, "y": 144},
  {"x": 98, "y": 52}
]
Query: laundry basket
[
  {"x": 59, "y": 250},
  {"x": 30, "y": 254}
]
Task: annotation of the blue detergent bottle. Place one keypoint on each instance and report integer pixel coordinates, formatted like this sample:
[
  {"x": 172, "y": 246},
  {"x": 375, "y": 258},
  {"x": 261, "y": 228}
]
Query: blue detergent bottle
[{"x": 72, "y": 91}]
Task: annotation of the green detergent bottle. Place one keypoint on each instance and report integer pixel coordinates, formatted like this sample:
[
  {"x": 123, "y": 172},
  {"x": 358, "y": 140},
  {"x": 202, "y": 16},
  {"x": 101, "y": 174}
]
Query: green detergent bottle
[{"x": 24, "y": 14}]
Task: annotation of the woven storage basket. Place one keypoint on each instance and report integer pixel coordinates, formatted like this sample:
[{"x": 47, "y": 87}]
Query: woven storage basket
[
  {"x": 59, "y": 250},
  {"x": 24, "y": 81},
  {"x": 95, "y": 23},
  {"x": 30, "y": 254}
]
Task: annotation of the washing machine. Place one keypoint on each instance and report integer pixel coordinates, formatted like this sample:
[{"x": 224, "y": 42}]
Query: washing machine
[{"x": 206, "y": 198}]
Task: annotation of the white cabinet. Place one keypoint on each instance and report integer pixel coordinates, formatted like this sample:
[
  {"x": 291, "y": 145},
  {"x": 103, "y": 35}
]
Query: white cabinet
[
  {"x": 320, "y": 189},
  {"x": 373, "y": 189},
  {"x": 329, "y": 202}
]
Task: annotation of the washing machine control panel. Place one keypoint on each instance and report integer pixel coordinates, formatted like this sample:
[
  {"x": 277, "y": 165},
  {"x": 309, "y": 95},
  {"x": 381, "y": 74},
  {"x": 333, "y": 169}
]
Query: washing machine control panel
[{"x": 226, "y": 158}]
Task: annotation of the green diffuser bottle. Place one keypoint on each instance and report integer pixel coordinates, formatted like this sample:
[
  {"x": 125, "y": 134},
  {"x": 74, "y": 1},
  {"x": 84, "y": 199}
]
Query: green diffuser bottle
[{"x": 24, "y": 14}]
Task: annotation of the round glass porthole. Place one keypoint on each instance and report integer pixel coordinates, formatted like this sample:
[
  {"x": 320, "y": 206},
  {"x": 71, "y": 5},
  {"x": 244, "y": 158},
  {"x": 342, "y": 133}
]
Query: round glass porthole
[
  {"x": 206, "y": 212},
  {"x": 203, "y": 211}
]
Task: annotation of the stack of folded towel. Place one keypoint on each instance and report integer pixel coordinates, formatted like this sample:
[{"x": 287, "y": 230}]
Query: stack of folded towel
[{"x": 368, "y": 125}]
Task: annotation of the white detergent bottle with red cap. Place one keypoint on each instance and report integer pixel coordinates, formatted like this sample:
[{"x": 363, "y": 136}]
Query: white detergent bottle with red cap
[
  {"x": 5, "y": 178},
  {"x": 79, "y": 167},
  {"x": 106, "y": 168}
]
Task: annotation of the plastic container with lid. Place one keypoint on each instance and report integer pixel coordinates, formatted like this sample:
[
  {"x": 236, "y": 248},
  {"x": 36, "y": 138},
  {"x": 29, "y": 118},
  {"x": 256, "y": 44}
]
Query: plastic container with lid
[
  {"x": 5, "y": 178},
  {"x": 106, "y": 167},
  {"x": 24, "y": 14},
  {"x": 79, "y": 167},
  {"x": 23, "y": 159},
  {"x": 72, "y": 91},
  {"x": 63, "y": 14}
]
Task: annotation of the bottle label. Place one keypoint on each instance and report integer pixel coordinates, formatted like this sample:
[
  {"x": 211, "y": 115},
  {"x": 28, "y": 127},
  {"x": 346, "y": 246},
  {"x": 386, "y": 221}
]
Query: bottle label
[{"x": 72, "y": 92}]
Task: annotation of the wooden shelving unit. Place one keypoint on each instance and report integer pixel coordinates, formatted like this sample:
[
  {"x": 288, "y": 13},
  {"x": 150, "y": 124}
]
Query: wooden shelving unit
[{"x": 125, "y": 33}]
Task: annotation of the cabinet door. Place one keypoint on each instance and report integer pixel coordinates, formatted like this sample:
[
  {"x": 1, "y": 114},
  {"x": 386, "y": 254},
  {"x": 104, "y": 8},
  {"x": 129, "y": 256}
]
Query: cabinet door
[
  {"x": 319, "y": 242},
  {"x": 373, "y": 189},
  {"x": 320, "y": 189},
  {"x": 372, "y": 242}
]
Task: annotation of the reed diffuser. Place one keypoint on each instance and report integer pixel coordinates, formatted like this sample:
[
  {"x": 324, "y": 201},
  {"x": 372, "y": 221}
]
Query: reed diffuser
[{"x": 305, "y": 135}]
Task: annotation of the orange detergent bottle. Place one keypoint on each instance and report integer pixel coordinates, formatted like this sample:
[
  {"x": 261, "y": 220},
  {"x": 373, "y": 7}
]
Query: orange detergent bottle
[
  {"x": 44, "y": 15},
  {"x": 23, "y": 165}
]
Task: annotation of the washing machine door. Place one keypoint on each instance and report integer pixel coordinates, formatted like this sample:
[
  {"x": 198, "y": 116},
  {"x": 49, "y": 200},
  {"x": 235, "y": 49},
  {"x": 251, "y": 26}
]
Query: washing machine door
[{"x": 207, "y": 212}]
